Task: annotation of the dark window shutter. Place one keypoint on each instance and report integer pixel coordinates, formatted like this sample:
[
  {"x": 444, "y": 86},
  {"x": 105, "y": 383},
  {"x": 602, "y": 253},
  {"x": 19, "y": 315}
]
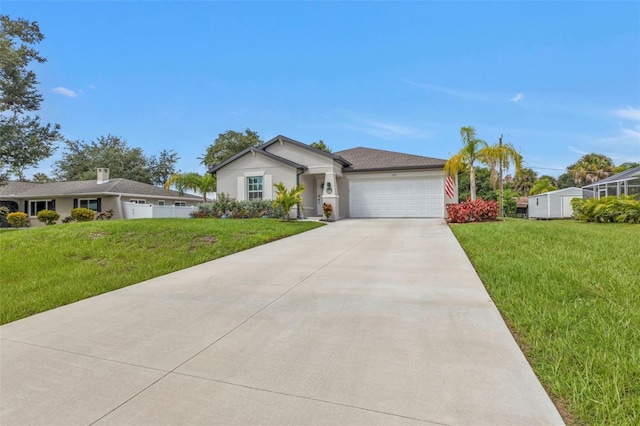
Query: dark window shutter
[
  {"x": 26, "y": 207},
  {"x": 75, "y": 203},
  {"x": 99, "y": 205},
  {"x": 53, "y": 205}
]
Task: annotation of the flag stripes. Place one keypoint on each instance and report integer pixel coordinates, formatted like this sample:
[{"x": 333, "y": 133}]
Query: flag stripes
[{"x": 448, "y": 187}]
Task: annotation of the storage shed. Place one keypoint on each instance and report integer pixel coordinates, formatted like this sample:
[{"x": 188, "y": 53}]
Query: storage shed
[{"x": 554, "y": 204}]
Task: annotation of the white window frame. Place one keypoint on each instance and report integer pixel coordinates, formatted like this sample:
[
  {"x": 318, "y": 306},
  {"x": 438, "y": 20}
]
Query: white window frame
[
  {"x": 138, "y": 201},
  {"x": 161, "y": 202},
  {"x": 180, "y": 204},
  {"x": 255, "y": 192},
  {"x": 47, "y": 206},
  {"x": 80, "y": 200}
]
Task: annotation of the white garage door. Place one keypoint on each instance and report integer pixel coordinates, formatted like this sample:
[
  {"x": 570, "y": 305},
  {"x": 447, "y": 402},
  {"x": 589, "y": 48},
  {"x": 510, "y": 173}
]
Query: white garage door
[{"x": 397, "y": 197}]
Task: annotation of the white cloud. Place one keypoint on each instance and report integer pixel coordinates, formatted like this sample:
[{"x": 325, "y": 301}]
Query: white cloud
[
  {"x": 65, "y": 92},
  {"x": 517, "y": 98},
  {"x": 628, "y": 113},
  {"x": 454, "y": 93},
  {"x": 386, "y": 130},
  {"x": 91, "y": 86}
]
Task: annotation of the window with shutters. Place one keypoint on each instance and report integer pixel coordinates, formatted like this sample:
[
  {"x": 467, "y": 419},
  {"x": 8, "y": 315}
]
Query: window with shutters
[
  {"x": 254, "y": 184},
  {"x": 88, "y": 203},
  {"x": 37, "y": 205}
]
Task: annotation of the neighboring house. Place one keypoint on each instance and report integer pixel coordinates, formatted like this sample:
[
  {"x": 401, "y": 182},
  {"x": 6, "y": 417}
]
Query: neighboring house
[
  {"x": 522, "y": 207},
  {"x": 553, "y": 204},
  {"x": 624, "y": 183},
  {"x": 98, "y": 195},
  {"x": 358, "y": 182}
]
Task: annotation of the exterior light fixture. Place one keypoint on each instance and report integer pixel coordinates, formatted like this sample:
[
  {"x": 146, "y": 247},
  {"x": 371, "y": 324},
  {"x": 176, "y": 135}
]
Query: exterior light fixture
[{"x": 329, "y": 190}]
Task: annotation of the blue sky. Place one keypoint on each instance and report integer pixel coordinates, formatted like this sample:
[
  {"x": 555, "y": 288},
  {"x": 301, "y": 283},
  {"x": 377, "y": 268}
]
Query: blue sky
[{"x": 558, "y": 79}]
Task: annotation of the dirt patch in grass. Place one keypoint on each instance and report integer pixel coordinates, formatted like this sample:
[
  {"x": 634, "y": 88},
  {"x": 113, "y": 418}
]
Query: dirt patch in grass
[
  {"x": 207, "y": 240},
  {"x": 96, "y": 235}
]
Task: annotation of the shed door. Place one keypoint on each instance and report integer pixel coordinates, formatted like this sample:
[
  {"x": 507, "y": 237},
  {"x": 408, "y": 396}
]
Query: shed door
[{"x": 411, "y": 196}]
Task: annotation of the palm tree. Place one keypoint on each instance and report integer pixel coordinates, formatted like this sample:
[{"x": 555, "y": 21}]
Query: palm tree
[
  {"x": 499, "y": 157},
  {"x": 524, "y": 183},
  {"x": 591, "y": 168},
  {"x": 541, "y": 186},
  {"x": 466, "y": 157},
  {"x": 287, "y": 199},
  {"x": 200, "y": 184}
]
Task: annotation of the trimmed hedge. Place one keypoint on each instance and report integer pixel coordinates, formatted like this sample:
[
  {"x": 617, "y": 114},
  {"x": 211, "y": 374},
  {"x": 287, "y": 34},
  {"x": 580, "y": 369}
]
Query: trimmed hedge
[
  {"x": 611, "y": 209},
  {"x": 82, "y": 214},
  {"x": 48, "y": 217},
  {"x": 473, "y": 211},
  {"x": 232, "y": 208},
  {"x": 18, "y": 219}
]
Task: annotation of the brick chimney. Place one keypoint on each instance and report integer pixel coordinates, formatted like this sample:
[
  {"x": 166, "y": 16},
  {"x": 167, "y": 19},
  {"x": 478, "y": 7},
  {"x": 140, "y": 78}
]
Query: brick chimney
[{"x": 103, "y": 175}]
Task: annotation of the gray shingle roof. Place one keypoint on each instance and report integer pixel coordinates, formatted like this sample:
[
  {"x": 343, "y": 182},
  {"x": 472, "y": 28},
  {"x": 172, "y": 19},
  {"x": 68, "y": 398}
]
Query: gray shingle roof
[
  {"x": 88, "y": 187},
  {"x": 369, "y": 159}
]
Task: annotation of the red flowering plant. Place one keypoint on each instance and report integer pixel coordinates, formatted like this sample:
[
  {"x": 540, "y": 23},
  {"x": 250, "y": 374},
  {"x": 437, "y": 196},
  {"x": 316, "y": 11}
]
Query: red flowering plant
[{"x": 473, "y": 211}]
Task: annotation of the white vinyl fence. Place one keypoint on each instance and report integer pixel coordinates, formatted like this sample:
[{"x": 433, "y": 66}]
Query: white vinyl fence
[{"x": 151, "y": 211}]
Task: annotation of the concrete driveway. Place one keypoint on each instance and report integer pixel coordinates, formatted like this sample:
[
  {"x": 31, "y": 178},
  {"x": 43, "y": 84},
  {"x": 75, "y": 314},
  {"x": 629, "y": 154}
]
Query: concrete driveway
[{"x": 358, "y": 322}]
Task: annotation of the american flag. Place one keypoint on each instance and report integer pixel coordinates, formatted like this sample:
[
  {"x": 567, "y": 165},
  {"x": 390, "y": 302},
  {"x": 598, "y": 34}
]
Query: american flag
[{"x": 448, "y": 187}]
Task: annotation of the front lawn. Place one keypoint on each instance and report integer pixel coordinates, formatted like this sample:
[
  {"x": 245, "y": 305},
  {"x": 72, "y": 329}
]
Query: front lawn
[
  {"x": 43, "y": 268},
  {"x": 571, "y": 293}
]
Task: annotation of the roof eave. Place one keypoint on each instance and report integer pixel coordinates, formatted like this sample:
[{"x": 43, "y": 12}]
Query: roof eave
[{"x": 398, "y": 169}]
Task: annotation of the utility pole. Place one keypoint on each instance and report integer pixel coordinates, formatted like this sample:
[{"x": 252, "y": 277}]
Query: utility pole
[{"x": 501, "y": 183}]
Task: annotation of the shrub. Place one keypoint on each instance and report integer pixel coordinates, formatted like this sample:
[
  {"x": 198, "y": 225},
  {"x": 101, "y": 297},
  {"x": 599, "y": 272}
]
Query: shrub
[
  {"x": 48, "y": 217},
  {"x": 236, "y": 209},
  {"x": 607, "y": 209},
  {"x": 105, "y": 215},
  {"x": 327, "y": 209},
  {"x": 82, "y": 214},
  {"x": 18, "y": 219},
  {"x": 473, "y": 211},
  {"x": 67, "y": 219}
]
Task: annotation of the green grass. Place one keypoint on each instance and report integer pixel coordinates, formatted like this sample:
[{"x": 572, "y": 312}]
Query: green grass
[
  {"x": 571, "y": 293},
  {"x": 46, "y": 267}
]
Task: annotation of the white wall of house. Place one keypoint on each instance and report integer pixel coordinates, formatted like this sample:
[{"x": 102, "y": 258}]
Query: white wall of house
[{"x": 232, "y": 179}]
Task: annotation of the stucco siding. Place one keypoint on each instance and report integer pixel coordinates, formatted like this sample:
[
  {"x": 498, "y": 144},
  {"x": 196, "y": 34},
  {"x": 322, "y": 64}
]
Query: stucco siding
[
  {"x": 249, "y": 165},
  {"x": 316, "y": 163}
]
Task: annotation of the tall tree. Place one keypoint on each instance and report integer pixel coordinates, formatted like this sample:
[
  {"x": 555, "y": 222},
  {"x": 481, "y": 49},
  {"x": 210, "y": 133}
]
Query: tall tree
[
  {"x": 163, "y": 166},
  {"x": 24, "y": 140},
  {"x": 201, "y": 184},
  {"x": 500, "y": 157},
  {"x": 320, "y": 145},
  {"x": 484, "y": 189},
  {"x": 227, "y": 145},
  {"x": 81, "y": 159},
  {"x": 565, "y": 180},
  {"x": 626, "y": 166},
  {"x": 541, "y": 186},
  {"x": 524, "y": 183},
  {"x": 466, "y": 157},
  {"x": 41, "y": 178},
  {"x": 591, "y": 168}
]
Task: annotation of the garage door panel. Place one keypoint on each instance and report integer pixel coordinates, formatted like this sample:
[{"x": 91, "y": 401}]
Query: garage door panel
[{"x": 397, "y": 197}]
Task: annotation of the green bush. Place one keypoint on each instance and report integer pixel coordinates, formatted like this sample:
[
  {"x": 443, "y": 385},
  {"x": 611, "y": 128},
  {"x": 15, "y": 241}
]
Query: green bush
[
  {"x": 82, "y": 214},
  {"x": 48, "y": 217},
  {"x": 225, "y": 205},
  {"x": 607, "y": 209},
  {"x": 18, "y": 220}
]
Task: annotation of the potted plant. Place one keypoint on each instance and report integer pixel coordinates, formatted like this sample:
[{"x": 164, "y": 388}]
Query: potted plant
[{"x": 327, "y": 209}]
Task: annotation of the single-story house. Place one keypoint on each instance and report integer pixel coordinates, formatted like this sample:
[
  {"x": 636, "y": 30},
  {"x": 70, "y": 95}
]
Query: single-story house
[
  {"x": 357, "y": 182},
  {"x": 624, "y": 183},
  {"x": 98, "y": 195},
  {"x": 553, "y": 204}
]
